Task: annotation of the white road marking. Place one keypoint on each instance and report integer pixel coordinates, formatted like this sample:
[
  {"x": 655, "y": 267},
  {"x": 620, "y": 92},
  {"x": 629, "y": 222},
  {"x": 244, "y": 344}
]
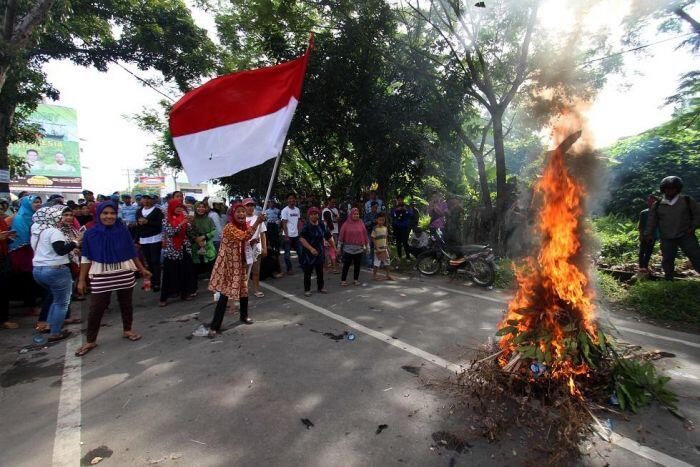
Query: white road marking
[
  {"x": 453, "y": 367},
  {"x": 621, "y": 328},
  {"x": 66, "y": 444},
  {"x": 615, "y": 438},
  {"x": 658, "y": 336}
]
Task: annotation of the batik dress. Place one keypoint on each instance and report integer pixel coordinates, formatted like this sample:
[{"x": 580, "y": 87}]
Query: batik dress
[{"x": 229, "y": 275}]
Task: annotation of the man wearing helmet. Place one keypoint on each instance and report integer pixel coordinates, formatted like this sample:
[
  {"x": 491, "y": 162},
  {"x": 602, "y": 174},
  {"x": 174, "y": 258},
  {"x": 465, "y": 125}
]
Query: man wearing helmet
[{"x": 677, "y": 217}]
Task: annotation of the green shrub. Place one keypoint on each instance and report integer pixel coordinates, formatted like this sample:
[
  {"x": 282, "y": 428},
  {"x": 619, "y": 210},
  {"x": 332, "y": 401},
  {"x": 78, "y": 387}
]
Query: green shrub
[
  {"x": 608, "y": 287},
  {"x": 674, "y": 300},
  {"x": 505, "y": 274},
  {"x": 618, "y": 237}
]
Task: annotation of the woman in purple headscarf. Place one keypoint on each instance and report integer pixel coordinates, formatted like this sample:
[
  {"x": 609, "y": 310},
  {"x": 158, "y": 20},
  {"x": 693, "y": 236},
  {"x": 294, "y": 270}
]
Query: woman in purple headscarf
[{"x": 109, "y": 260}]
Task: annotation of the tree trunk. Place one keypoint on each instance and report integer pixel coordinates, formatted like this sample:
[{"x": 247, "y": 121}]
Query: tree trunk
[
  {"x": 501, "y": 185},
  {"x": 483, "y": 183},
  {"x": 681, "y": 13},
  {"x": 6, "y": 116}
]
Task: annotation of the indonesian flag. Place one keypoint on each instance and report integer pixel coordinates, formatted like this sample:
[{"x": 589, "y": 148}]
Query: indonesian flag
[{"x": 236, "y": 121}]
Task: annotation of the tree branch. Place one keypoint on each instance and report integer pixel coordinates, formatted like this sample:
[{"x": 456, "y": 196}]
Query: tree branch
[
  {"x": 30, "y": 21},
  {"x": 684, "y": 15},
  {"x": 9, "y": 20},
  {"x": 522, "y": 61}
]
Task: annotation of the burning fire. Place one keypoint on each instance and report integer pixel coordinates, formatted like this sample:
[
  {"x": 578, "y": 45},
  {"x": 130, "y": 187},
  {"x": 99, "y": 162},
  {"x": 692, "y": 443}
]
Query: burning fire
[{"x": 553, "y": 303}]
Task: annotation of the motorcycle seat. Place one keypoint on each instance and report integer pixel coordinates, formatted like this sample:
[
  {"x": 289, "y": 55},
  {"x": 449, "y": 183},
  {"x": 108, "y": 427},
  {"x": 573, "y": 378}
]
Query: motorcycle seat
[{"x": 469, "y": 249}]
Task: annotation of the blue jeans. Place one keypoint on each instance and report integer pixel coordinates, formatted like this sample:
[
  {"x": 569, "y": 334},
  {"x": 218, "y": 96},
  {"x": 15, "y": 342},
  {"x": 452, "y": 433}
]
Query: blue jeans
[
  {"x": 292, "y": 243},
  {"x": 58, "y": 284}
]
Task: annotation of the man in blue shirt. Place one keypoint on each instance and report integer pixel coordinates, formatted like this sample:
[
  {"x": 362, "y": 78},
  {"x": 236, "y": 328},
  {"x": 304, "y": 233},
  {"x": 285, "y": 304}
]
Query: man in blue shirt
[
  {"x": 374, "y": 199},
  {"x": 127, "y": 210}
]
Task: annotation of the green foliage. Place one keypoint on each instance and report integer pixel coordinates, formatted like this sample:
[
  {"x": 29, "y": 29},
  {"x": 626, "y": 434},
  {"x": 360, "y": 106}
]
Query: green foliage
[
  {"x": 639, "y": 163},
  {"x": 609, "y": 287},
  {"x": 671, "y": 300},
  {"x": 618, "y": 237},
  {"x": 636, "y": 384},
  {"x": 505, "y": 274},
  {"x": 19, "y": 167}
]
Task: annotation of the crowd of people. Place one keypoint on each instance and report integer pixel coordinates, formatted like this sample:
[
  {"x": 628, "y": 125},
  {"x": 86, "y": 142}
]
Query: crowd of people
[{"x": 53, "y": 251}]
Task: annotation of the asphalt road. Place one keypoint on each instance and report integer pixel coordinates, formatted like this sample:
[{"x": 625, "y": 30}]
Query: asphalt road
[{"x": 240, "y": 399}]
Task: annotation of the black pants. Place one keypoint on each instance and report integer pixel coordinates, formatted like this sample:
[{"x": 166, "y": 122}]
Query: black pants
[
  {"x": 4, "y": 289},
  {"x": 308, "y": 270},
  {"x": 645, "y": 251},
  {"x": 401, "y": 234},
  {"x": 273, "y": 236},
  {"x": 669, "y": 249},
  {"x": 220, "y": 311},
  {"x": 151, "y": 253},
  {"x": 355, "y": 259}
]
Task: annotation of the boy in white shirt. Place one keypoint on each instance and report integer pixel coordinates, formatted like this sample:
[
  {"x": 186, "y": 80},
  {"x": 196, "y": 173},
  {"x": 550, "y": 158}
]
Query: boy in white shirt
[{"x": 290, "y": 226}]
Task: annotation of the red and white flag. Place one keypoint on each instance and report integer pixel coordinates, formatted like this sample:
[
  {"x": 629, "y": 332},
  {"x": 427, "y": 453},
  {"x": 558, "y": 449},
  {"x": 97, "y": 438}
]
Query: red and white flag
[{"x": 236, "y": 121}]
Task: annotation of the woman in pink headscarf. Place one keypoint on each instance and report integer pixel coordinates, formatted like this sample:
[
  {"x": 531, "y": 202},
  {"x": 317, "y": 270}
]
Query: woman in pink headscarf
[{"x": 353, "y": 243}]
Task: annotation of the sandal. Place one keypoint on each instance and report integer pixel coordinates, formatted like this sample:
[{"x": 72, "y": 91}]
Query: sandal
[
  {"x": 9, "y": 325},
  {"x": 307, "y": 294},
  {"x": 72, "y": 321},
  {"x": 162, "y": 304},
  {"x": 323, "y": 291},
  {"x": 65, "y": 334},
  {"x": 343, "y": 283},
  {"x": 259, "y": 294},
  {"x": 132, "y": 336},
  {"x": 84, "y": 349},
  {"x": 355, "y": 283},
  {"x": 247, "y": 321}
]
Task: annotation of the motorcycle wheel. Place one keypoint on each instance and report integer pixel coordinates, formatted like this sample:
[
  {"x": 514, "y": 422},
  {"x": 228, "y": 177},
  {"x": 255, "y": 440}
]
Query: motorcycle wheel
[
  {"x": 428, "y": 264},
  {"x": 483, "y": 272}
]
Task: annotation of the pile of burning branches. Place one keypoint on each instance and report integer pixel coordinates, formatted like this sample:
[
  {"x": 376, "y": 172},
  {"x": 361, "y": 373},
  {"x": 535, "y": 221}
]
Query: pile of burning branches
[{"x": 553, "y": 367}]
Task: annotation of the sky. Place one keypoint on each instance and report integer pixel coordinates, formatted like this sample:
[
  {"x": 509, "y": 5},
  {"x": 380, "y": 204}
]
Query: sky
[{"x": 111, "y": 145}]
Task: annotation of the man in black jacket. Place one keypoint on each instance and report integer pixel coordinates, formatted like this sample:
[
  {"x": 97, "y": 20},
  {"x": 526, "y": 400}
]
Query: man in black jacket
[
  {"x": 677, "y": 217},
  {"x": 149, "y": 226}
]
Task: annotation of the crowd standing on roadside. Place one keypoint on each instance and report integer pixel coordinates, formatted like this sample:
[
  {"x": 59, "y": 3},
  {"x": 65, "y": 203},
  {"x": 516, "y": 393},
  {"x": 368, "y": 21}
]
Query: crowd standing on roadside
[{"x": 53, "y": 251}]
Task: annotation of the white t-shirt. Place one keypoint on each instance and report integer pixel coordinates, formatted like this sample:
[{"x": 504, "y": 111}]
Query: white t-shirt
[
  {"x": 257, "y": 248},
  {"x": 291, "y": 215},
  {"x": 42, "y": 243},
  {"x": 335, "y": 215}
]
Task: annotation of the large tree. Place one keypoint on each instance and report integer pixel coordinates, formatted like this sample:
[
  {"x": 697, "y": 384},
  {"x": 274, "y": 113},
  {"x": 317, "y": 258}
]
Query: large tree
[{"x": 153, "y": 34}]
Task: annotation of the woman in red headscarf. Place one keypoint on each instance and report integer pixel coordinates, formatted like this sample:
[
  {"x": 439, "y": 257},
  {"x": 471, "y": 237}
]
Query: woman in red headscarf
[
  {"x": 179, "y": 275},
  {"x": 230, "y": 274}
]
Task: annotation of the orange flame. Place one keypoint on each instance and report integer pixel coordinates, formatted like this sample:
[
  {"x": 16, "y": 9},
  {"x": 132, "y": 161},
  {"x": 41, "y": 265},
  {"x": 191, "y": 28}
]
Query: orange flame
[{"x": 554, "y": 297}]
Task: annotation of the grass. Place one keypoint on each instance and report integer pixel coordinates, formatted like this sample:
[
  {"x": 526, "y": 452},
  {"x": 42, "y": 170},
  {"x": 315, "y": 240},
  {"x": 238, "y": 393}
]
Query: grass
[
  {"x": 609, "y": 287},
  {"x": 618, "y": 237},
  {"x": 675, "y": 301},
  {"x": 505, "y": 274}
]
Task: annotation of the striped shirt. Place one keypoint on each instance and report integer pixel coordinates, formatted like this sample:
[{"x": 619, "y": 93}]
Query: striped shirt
[{"x": 111, "y": 277}]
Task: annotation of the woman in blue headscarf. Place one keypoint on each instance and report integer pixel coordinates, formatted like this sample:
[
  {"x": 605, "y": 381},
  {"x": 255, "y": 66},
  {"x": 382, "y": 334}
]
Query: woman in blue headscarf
[
  {"x": 110, "y": 260},
  {"x": 21, "y": 253}
]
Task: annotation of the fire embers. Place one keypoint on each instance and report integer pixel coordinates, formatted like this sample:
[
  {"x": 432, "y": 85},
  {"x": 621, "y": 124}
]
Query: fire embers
[{"x": 551, "y": 319}]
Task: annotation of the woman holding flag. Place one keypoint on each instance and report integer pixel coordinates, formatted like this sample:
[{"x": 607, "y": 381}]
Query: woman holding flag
[{"x": 230, "y": 274}]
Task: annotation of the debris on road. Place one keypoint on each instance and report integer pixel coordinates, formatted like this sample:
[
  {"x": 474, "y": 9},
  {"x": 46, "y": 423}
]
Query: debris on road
[
  {"x": 201, "y": 331},
  {"x": 381, "y": 428},
  {"x": 97, "y": 455},
  {"x": 198, "y": 442},
  {"x": 307, "y": 423}
]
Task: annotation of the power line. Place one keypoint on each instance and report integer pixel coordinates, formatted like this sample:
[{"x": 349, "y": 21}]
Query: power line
[
  {"x": 636, "y": 48},
  {"x": 144, "y": 81}
]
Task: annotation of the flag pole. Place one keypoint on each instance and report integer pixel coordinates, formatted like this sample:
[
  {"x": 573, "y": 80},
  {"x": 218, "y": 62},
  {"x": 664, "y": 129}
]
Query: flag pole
[{"x": 274, "y": 175}]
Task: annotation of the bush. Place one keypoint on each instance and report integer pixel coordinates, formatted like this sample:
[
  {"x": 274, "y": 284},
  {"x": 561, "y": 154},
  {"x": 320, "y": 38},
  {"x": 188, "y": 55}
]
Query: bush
[
  {"x": 505, "y": 274},
  {"x": 674, "y": 300},
  {"x": 608, "y": 287},
  {"x": 618, "y": 237}
]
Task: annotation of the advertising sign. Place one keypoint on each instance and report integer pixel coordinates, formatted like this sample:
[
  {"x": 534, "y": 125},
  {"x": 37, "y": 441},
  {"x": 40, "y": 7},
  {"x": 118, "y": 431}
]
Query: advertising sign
[
  {"x": 151, "y": 181},
  {"x": 54, "y": 160}
]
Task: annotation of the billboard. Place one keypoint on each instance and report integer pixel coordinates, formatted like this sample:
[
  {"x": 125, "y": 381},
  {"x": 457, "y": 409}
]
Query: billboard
[
  {"x": 54, "y": 160},
  {"x": 150, "y": 181}
]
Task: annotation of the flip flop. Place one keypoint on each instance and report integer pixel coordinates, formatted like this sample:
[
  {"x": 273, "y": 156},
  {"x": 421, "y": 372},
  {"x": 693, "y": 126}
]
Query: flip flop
[
  {"x": 65, "y": 334},
  {"x": 307, "y": 294},
  {"x": 84, "y": 350},
  {"x": 133, "y": 337},
  {"x": 259, "y": 294}
]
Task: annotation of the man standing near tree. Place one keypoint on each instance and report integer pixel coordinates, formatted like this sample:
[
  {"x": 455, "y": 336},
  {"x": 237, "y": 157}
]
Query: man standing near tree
[
  {"x": 677, "y": 217},
  {"x": 290, "y": 226}
]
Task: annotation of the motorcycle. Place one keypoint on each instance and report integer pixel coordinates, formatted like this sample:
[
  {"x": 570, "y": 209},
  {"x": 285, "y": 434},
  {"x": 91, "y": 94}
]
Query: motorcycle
[{"x": 474, "y": 262}]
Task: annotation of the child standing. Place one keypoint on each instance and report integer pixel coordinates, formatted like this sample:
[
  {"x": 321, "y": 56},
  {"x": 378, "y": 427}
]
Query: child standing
[
  {"x": 331, "y": 256},
  {"x": 381, "y": 249}
]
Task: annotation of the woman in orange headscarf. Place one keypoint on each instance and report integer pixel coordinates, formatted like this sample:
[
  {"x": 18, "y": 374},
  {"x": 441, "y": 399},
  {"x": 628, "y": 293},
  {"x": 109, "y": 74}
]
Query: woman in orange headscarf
[{"x": 179, "y": 276}]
